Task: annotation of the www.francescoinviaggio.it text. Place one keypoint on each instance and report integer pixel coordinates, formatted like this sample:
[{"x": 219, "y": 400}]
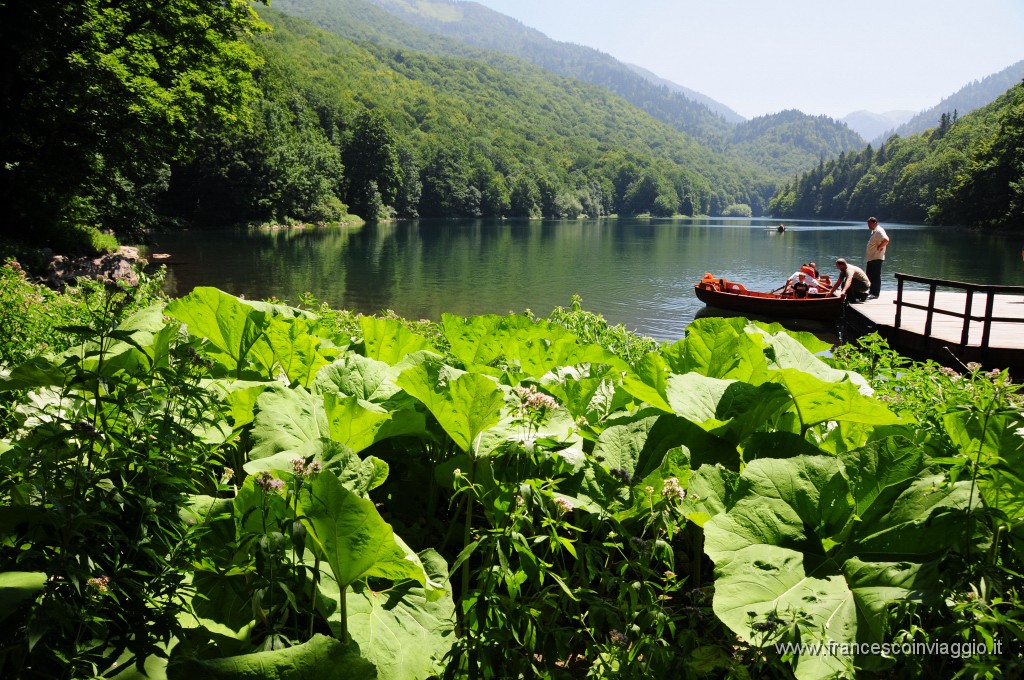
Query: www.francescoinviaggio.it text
[{"x": 956, "y": 650}]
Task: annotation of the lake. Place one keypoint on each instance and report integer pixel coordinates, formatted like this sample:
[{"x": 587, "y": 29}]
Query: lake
[{"x": 639, "y": 272}]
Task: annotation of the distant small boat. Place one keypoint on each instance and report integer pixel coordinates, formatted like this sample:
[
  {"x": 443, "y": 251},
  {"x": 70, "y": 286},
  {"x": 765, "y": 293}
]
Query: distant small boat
[{"x": 725, "y": 294}]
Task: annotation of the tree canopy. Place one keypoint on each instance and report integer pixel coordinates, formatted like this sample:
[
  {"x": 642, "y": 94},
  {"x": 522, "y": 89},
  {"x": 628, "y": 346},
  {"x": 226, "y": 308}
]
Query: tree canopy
[
  {"x": 969, "y": 170},
  {"x": 98, "y": 95}
]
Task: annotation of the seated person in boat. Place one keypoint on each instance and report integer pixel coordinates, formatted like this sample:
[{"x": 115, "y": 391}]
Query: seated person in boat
[
  {"x": 811, "y": 276},
  {"x": 852, "y": 282},
  {"x": 800, "y": 288},
  {"x": 816, "y": 278}
]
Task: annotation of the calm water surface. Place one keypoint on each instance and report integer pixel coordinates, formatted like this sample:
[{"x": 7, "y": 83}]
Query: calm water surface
[{"x": 638, "y": 272}]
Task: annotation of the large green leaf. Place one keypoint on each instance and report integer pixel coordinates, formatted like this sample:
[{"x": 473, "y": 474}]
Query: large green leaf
[
  {"x": 809, "y": 341},
  {"x": 585, "y": 390},
  {"x": 818, "y": 401},
  {"x": 996, "y": 440},
  {"x": 878, "y": 470},
  {"x": 353, "y": 538},
  {"x": 465, "y": 404},
  {"x": 750, "y": 351},
  {"x": 648, "y": 381},
  {"x": 240, "y": 396},
  {"x": 535, "y": 346},
  {"x": 876, "y": 585},
  {"x": 18, "y": 586},
  {"x": 153, "y": 668},
  {"x": 294, "y": 348},
  {"x": 730, "y": 409},
  {"x": 639, "y": 443},
  {"x": 354, "y": 375},
  {"x": 719, "y": 348},
  {"x": 221, "y": 608},
  {"x": 402, "y": 631},
  {"x": 475, "y": 341},
  {"x": 354, "y": 422},
  {"x": 387, "y": 340},
  {"x": 825, "y": 545},
  {"x": 231, "y": 327},
  {"x": 291, "y": 420},
  {"x": 372, "y": 383},
  {"x": 785, "y": 349},
  {"x": 360, "y": 475},
  {"x": 557, "y": 425},
  {"x": 794, "y": 503},
  {"x": 320, "y": 657},
  {"x": 759, "y": 584},
  {"x": 541, "y": 346},
  {"x": 710, "y": 490}
]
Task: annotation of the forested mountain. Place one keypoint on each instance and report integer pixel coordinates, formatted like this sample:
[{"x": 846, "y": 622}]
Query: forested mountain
[
  {"x": 468, "y": 29},
  {"x": 788, "y": 141},
  {"x": 380, "y": 128},
  {"x": 113, "y": 122},
  {"x": 719, "y": 108},
  {"x": 966, "y": 99},
  {"x": 474, "y": 31},
  {"x": 968, "y": 171}
]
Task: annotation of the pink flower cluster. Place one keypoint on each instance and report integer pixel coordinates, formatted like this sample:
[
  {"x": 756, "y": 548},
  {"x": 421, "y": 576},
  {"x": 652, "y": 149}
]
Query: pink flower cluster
[
  {"x": 563, "y": 504},
  {"x": 537, "y": 401},
  {"x": 100, "y": 583},
  {"x": 672, "y": 491},
  {"x": 301, "y": 469},
  {"x": 268, "y": 483}
]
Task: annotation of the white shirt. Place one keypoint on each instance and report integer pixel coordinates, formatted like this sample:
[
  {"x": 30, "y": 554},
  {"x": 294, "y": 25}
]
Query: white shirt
[
  {"x": 811, "y": 281},
  {"x": 875, "y": 250}
]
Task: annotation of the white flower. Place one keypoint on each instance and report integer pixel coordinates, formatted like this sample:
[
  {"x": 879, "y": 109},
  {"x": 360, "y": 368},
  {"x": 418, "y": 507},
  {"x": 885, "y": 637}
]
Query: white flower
[{"x": 672, "y": 490}]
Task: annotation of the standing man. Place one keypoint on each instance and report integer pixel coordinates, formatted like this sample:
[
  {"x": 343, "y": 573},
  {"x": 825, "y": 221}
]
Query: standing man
[{"x": 875, "y": 256}]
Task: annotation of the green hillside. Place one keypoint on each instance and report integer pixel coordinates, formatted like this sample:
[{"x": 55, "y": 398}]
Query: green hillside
[
  {"x": 968, "y": 98},
  {"x": 470, "y": 30},
  {"x": 790, "y": 141},
  {"x": 967, "y": 171},
  {"x": 117, "y": 123},
  {"x": 468, "y": 139}
]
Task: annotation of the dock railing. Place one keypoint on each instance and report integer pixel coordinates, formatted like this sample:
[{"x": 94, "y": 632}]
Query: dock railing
[{"x": 967, "y": 315}]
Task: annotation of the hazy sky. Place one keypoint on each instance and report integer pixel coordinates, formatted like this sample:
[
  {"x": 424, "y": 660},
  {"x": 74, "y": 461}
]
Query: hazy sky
[{"x": 819, "y": 56}]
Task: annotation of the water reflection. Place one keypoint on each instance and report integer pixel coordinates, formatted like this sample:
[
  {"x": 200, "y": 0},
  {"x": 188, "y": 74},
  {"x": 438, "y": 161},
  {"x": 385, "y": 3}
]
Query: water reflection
[{"x": 639, "y": 272}]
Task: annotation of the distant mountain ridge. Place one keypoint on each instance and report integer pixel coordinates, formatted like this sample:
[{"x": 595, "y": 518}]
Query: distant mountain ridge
[
  {"x": 870, "y": 125},
  {"x": 968, "y": 98},
  {"x": 721, "y": 109},
  {"x": 478, "y": 26}
]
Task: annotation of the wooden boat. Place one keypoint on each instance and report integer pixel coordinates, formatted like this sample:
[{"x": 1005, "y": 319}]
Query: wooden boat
[{"x": 725, "y": 294}]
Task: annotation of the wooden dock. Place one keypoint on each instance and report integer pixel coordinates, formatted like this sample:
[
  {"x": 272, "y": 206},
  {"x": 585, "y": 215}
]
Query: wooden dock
[{"x": 960, "y": 324}]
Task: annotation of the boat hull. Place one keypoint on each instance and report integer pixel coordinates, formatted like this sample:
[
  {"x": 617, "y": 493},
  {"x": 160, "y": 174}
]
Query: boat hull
[{"x": 770, "y": 305}]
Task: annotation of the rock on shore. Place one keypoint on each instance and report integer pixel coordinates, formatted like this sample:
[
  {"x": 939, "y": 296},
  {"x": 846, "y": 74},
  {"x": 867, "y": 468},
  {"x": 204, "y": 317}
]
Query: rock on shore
[{"x": 117, "y": 266}]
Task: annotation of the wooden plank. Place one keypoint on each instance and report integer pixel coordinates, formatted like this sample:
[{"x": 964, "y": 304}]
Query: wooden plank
[{"x": 1003, "y": 334}]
